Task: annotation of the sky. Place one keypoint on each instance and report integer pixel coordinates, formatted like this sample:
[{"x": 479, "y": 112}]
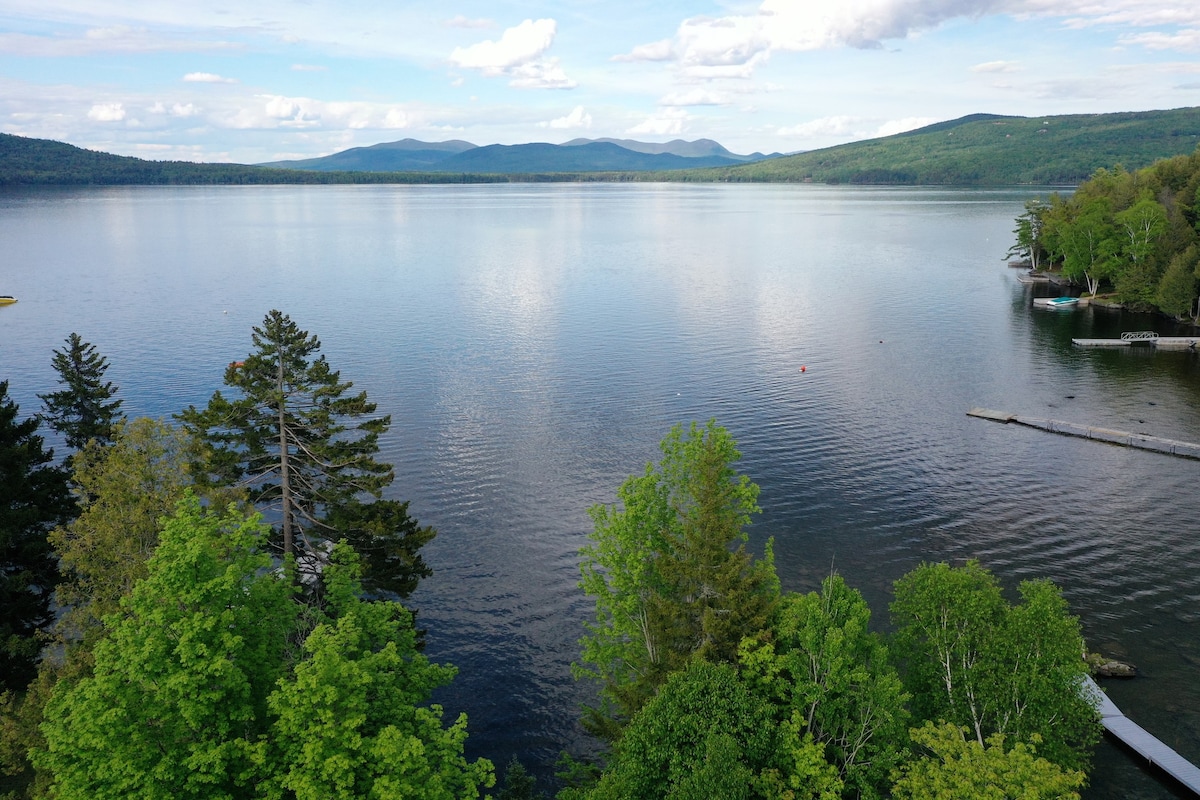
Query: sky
[{"x": 265, "y": 80}]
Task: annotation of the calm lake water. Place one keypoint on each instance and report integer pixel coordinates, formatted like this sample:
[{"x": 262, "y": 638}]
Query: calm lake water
[{"x": 534, "y": 343}]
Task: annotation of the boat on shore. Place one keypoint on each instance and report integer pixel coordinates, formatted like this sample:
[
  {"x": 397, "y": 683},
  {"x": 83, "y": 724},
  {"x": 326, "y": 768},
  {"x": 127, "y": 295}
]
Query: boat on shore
[
  {"x": 7, "y": 299},
  {"x": 1055, "y": 302}
]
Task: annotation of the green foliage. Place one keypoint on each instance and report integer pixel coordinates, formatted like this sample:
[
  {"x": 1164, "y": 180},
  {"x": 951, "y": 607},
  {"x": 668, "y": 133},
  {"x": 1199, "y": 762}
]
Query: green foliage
[
  {"x": 518, "y": 783},
  {"x": 34, "y": 497},
  {"x": 1180, "y": 285},
  {"x": 822, "y": 663},
  {"x": 972, "y": 659},
  {"x": 1086, "y": 241},
  {"x": 349, "y": 723},
  {"x": 1028, "y": 244},
  {"x": 305, "y": 451},
  {"x": 84, "y": 408},
  {"x": 124, "y": 491},
  {"x": 708, "y": 734},
  {"x": 670, "y": 572},
  {"x": 958, "y": 767},
  {"x": 176, "y": 705},
  {"x": 197, "y": 690},
  {"x": 1133, "y": 231}
]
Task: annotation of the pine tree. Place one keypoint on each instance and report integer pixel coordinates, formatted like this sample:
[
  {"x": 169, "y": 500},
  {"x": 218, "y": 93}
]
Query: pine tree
[
  {"x": 85, "y": 409},
  {"x": 34, "y": 497},
  {"x": 305, "y": 450}
]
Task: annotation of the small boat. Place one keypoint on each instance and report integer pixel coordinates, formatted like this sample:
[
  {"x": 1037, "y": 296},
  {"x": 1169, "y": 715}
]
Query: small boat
[
  {"x": 1055, "y": 302},
  {"x": 7, "y": 299}
]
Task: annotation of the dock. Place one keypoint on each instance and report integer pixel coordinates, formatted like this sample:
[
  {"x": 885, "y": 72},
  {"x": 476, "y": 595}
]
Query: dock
[
  {"x": 1143, "y": 339},
  {"x": 1137, "y": 739},
  {"x": 1140, "y": 441}
]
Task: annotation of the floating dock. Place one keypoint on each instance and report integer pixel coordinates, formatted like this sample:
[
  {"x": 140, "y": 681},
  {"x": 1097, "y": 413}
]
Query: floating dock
[
  {"x": 1140, "y": 441},
  {"x": 1143, "y": 339},
  {"x": 1137, "y": 739}
]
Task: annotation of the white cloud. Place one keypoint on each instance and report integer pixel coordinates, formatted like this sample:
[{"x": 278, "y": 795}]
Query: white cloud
[
  {"x": 663, "y": 50},
  {"x": 518, "y": 55},
  {"x": 894, "y": 126},
  {"x": 848, "y": 128},
  {"x": 1187, "y": 40},
  {"x": 696, "y": 97},
  {"x": 206, "y": 77},
  {"x": 309, "y": 68},
  {"x": 667, "y": 122},
  {"x": 459, "y": 21},
  {"x": 824, "y": 127},
  {"x": 304, "y": 113},
  {"x": 541, "y": 75},
  {"x": 520, "y": 45},
  {"x": 107, "y": 112},
  {"x": 113, "y": 39},
  {"x": 996, "y": 66},
  {"x": 578, "y": 118},
  {"x": 734, "y": 46}
]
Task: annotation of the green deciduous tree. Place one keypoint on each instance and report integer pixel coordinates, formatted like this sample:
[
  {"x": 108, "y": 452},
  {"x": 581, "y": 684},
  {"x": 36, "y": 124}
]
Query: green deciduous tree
[
  {"x": 199, "y": 691},
  {"x": 972, "y": 659},
  {"x": 708, "y": 734},
  {"x": 1180, "y": 285},
  {"x": 669, "y": 570},
  {"x": 959, "y": 767},
  {"x": 1087, "y": 242},
  {"x": 351, "y": 721},
  {"x": 124, "y": 491},
  {"x": 1028, "y": 233},
  {"x": 821, "y": 661},
  {"x": 34, "y": 497},
  {"x": 1139, "y": 228},
  {"x": 84, "y": 409},
  {"x": 305, "y": 450},
  {"x": 176, "y": 705}
]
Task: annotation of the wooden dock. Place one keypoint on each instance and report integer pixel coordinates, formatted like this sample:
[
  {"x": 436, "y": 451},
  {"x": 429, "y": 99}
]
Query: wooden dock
[
  {"x": 1140, "y": 441},
  {"x": 1137, "y": 739},
  {"x": 1144, "y": 339}
]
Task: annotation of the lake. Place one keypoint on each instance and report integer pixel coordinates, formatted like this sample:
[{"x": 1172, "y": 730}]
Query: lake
[{"x": 534, "y": 343}]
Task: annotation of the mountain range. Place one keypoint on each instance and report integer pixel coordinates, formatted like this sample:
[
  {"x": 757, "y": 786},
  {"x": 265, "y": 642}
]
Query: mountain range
[
  {"x": 577, "y": 155},
  {"x": 976, "y": 150}
]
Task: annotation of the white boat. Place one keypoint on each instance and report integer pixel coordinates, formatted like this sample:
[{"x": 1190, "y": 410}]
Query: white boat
[{"x": 1055, "y": 302}]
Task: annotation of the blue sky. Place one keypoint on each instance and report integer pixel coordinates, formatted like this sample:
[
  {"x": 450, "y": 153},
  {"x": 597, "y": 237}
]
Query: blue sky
[{"x": 262, "y": 80}]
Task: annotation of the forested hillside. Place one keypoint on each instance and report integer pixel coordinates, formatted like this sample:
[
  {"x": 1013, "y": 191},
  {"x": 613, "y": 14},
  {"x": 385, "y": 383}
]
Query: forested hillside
[{"x": 989, "y": 150}]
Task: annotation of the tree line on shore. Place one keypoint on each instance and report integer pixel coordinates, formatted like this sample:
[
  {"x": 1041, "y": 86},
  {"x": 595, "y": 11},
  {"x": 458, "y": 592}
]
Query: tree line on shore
[
  {"x": 215, "y": 608},
  {"x": 1134, "y": 235}
]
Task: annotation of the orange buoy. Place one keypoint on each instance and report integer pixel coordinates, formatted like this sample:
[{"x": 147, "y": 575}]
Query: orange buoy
[{"x": 804, "y": 369}]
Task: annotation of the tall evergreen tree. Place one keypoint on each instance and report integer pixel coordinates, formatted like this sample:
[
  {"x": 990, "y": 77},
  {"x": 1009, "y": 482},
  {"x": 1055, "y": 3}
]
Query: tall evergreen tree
[
  {"x": 305, "y": 450},
  {"x": 85, "y": 408},
  {"x": 34, "y": 497},
  {"x": 670, "y": 573}
]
